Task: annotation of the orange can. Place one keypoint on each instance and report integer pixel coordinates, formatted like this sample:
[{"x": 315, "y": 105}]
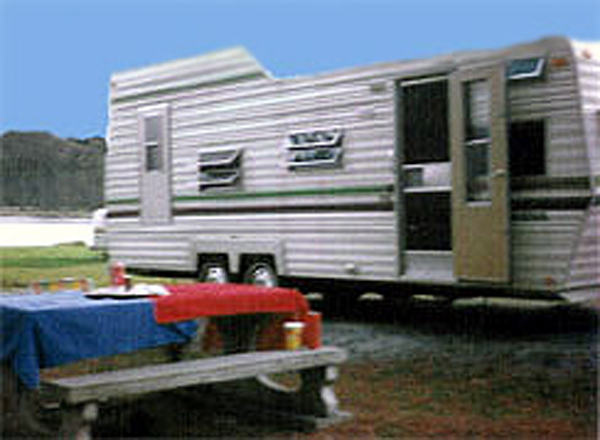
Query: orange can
[{"x": 312, "y": 330}]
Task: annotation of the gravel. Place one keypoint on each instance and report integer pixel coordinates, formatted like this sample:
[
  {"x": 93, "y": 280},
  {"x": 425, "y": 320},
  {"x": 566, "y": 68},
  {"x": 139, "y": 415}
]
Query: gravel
[{"x": 549, "y": 340}]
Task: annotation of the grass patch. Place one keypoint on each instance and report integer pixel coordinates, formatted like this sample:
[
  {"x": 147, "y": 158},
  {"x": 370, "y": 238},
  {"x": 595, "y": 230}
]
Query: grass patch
[
  {"x": 55, "y": 257},
  {"x": 19, "y": 267}
]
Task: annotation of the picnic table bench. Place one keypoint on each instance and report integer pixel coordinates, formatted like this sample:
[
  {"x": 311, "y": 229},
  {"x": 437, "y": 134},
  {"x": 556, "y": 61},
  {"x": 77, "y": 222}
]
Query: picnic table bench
[
  {"x": 70, "y": 406},
  {"x": 315, "y": 401}
]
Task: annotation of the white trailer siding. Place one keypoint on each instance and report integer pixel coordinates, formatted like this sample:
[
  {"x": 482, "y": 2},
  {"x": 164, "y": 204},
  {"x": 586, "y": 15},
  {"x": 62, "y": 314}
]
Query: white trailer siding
[
  {"x": 542, "y": 234},
  {"x": 257, "y": 123},
  {"x": 584, "y": 276},
  {"x": 560, "y": 249},
  {"x": 542, "y": 249},
  {"x": 588, "y": 66},
  {"x": 339, "y": 223}
]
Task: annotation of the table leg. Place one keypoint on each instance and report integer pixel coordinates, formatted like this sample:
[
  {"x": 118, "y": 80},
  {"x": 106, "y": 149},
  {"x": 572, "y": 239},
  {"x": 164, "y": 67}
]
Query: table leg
[
  {"x": 9, "y": 405},
  {"x": 312, "y": 405},
  {"x": 239, "y": 333},
  {"x": 311, "y": 398},
  {"x": 26, "y": 411},
  {"x": 77, "y": 422},
  {"x": 178, "y": 352}
]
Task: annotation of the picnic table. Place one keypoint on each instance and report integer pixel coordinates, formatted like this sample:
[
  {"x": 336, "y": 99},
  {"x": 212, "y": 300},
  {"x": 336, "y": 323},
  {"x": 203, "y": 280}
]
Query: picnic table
[{"x": 49, "y": 330}]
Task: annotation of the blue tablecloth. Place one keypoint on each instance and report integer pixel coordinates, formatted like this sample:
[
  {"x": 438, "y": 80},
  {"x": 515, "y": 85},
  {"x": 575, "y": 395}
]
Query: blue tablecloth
[{"x": 42, "y": 331}]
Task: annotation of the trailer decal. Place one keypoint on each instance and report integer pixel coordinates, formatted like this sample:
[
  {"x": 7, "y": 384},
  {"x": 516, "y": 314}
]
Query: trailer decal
[
  {"x": 309, "y": 192},
  {"x": 385, "y": 192},
  {"x": 274, "y": 209},
  {"x": 132, "y": 201}
]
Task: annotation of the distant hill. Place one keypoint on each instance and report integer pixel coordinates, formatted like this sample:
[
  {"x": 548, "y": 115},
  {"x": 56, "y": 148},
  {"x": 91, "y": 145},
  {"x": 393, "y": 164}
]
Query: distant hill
[{"x": 41, "y": 171}]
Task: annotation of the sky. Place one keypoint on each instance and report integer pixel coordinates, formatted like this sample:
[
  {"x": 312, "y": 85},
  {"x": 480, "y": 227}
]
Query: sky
[{"x": 57, "y": 56}]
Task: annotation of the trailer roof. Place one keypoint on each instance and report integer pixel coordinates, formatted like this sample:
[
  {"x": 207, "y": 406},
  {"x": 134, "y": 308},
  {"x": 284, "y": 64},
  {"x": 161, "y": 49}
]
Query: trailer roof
[
  {"x": 238, "y": 64},
  {"x": 219, "y": 67}
]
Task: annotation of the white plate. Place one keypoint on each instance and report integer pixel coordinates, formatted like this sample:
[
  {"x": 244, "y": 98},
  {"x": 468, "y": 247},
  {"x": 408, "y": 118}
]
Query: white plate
[{"x": 137, "y": 291}]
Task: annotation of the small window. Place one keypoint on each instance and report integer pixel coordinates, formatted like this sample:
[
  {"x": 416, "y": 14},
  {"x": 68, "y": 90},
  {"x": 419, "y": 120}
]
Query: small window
[
  {"x": 478, "y": 113},
  {"x": 153, "y": 141},
  {"x": 478, "y": 142},
  {"x": 219, "y": 168},
  {"x": 152, "y": 129},
  {"x": 315, "y": 149},
  {"x": 153, "y": 159},
  {"x": 526, "y": 68},
  {"x": 527, "y": 143},
  {"x": 314, "y": 158}
]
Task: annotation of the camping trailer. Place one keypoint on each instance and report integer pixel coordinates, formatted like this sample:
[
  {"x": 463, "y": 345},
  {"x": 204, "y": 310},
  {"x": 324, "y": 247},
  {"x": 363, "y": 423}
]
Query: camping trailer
[{"x": 473, "y": 171}]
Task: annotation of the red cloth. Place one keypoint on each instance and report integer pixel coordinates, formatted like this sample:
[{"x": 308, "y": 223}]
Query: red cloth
[{"x": 190, "y": 301}]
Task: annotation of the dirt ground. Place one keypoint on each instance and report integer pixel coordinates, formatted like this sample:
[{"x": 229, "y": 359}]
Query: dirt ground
[{"x": 425, "y": 371}]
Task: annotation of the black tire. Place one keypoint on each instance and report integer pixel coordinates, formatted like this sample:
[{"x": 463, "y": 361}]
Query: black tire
[
  {"x": 261, "y": 274},
  {"x": 213, "y": 273}
]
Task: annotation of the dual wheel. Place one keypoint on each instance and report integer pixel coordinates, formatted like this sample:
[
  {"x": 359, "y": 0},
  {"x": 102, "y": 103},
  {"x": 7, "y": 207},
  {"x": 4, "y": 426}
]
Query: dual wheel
[{"x": 259, "y": 274}]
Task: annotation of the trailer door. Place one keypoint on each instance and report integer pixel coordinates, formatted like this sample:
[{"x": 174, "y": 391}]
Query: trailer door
[
  {"x": 480, "y": 200},
  {"x": 155, "y": 188}
]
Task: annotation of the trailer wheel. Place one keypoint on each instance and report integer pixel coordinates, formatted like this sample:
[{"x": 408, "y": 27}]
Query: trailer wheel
[
  {"x": 261, "y": 274},
  {"x": 213, "y": 273}
]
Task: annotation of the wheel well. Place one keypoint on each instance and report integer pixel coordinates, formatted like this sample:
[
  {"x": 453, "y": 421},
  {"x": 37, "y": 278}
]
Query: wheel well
[{"x": 212, "y": 258}]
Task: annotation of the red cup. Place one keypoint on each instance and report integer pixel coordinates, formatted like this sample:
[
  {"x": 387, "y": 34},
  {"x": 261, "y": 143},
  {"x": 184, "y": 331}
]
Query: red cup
[{"x": 117, "y": 274}]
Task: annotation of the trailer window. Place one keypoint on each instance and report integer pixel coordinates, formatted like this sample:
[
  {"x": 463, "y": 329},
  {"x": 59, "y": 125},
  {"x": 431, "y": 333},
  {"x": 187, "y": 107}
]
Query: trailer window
[
  {"x": 428, "y": 221},
  {"x": 527, "y": 143},
  {"x": 425, "y": 122},
  {"x": 153, "y": 143},
  {"x": 478, "y": 142},
  {"x": 315, "y": 149},
  {"x": 219, "y": 168},
  {"x": 525, "y": 68}
]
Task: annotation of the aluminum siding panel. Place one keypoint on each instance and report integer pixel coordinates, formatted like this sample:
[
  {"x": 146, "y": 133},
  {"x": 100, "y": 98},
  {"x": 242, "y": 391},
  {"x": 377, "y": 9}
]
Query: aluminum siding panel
[
  {"x": 542, "y": 248},
  {"x": 585, "y": 264},
  {"x": 589, "y": 83},
  {"x": 543, "y": 240}
]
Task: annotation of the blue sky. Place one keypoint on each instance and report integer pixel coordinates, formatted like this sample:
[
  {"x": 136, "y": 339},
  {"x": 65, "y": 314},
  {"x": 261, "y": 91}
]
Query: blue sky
[{"x": 56, "y": 56}]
